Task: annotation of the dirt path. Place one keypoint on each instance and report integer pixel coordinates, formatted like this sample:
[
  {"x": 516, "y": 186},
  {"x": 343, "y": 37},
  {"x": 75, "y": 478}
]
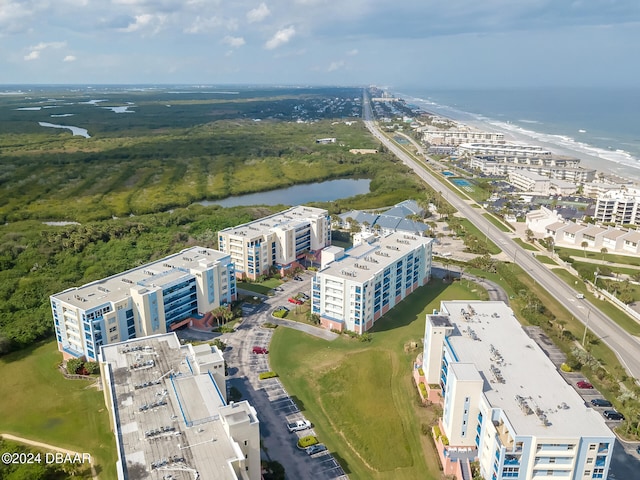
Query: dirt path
[{"x": 46, "y": 446}]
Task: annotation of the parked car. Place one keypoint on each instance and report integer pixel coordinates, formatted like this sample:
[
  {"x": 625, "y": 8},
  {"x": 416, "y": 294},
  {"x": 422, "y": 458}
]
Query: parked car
[
  {"x": 298, "y": 425},
  {"x": 296, "y": 301},
  {"x": 260, "y": 350},
  {"x": 282, "y": 307},
  {"x": 304, "y": 295},
  {"x": 313, "y": 449},
  {"x": 613, "y": 415},
  {"x": 298, "y": 278},
  {"x": 638, "y": 449},
  {"x": 584, "y": 384},
  {"x": 600, "y": 402}
]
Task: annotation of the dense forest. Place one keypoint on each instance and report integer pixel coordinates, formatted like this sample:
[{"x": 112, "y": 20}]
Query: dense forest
[{"x": 130, "y": 189}]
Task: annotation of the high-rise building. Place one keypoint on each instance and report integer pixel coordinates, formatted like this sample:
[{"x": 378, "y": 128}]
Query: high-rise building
[
  {"x": 355, "y": 288},
  {"x": 621, "y": 207},
  {"x": 504, "y": 402},
  {"x": 279, "y": 240},
  {"x": 170, "y": 416},
  {"x": 153, "y": 298}
]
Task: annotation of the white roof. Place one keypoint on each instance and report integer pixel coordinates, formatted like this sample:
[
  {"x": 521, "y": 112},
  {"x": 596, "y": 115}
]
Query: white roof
[
  {"x": 286, "y": 219},
  {"x": 493, "y": 337}
]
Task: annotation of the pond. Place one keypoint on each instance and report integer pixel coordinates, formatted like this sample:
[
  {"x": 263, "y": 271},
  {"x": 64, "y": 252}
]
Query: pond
[{"x": 299, "y": 194}]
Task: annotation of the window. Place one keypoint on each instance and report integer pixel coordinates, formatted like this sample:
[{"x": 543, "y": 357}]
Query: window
[{"x": 113, "y": 329}]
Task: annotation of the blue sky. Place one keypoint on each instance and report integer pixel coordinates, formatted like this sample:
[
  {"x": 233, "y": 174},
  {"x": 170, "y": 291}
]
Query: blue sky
[{"x": 457, "y": 43}]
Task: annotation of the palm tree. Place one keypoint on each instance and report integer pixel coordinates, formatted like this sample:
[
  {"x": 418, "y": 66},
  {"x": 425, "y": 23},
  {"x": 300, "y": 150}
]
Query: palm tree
[
  {"x": 584, "y": 246},
  {"x": 603, "y": 251}
]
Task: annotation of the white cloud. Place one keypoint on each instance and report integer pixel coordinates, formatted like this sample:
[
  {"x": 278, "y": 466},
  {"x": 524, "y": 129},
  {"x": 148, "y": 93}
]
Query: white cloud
[
  {"x": 34, "y": 54},
  {"x": 335, "y": 66},
  {"x": 234, "y": 42},
  {"x": 353, "y": 52},
  {"x": 258, "y": 14},
  {"x": 145, "y": 21},
  {"x": 203, "y": 25},
  {"x": 69, "y": 58},
  {"x": 280, "y": 38}
]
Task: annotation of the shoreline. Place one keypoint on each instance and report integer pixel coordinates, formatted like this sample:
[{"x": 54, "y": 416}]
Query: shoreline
[{"x": 617, "y": 164}]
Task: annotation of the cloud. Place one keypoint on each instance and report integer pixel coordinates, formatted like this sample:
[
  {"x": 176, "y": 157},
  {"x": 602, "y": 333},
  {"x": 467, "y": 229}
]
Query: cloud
[
  {"x": 145, "y": 21},
  {"x": 335, "y": 66},
  {"x": 34, "y": 54},
  {"x": 258, "y": 14},
  {"x": 280, "y": 38},
  {"x": 203, "y": 25},
  {"x": 234, "y": 42},
  {"x": 69, "y": 58},
  {"x": 353, "y": 52}
]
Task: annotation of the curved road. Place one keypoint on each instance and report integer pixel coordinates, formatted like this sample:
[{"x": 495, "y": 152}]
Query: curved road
[{"x": 625, "y": 346}]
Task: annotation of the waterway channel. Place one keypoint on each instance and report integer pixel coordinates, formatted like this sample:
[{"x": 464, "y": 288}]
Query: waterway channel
[{"x": 299, "y": 194}]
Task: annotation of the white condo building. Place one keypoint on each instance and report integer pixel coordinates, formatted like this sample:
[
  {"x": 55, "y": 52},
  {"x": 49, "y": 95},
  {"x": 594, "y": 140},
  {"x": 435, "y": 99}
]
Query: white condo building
[
  {"x": 153, "y": 298},
  {"x": 621, "y": 207},
  {"x": 454, "y": 137},
  {"x": 502, "y": 149},
  {"x": 354, "y": 288},
  {"x": 277, "y": 240},
  {"x": 170, "y": 416},
  {"x": 504, "y": 402}
]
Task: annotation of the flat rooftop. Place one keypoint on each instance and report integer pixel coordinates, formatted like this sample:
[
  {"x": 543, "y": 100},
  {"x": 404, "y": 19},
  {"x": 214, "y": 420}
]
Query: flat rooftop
[
  {"x": 518, "y": 377},
  {"x": 365, "y": 260},
  {"x": 161, "y": 272},
  {"x": 289, "y": 218},
  {"x": 155, "y": 395}
]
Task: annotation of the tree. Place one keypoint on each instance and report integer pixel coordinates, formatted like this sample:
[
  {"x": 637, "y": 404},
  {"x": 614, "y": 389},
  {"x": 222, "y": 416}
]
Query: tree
[
  {"x": 529, "y": 233},
  {"x": 603, "y": 251},
  {"x": 73, "y": 365},
  {"x": 584, "y": 246}
]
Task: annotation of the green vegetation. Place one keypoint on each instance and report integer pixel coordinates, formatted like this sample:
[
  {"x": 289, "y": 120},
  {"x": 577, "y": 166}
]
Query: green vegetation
[
  {"x": 547, "y": 260},
  {"x": 525, "y": 245},
  {"x": 607, "y": 257},
  {"x": 69, "y": 414},
  {"x": 280, "y": 313},
  {"x": 475, "y": 241},
  {"x": 265, "y": 375},
  {"x": 36, "y": 466},
  {"x": 504, "y": 227},
  {"x": 307, "y": 441},
  {"x": 344, "y": 385}
]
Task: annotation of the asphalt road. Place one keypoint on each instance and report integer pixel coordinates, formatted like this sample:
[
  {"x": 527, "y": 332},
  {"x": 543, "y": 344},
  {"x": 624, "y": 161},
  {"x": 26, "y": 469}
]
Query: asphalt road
[{"x": 625, "y": 346}]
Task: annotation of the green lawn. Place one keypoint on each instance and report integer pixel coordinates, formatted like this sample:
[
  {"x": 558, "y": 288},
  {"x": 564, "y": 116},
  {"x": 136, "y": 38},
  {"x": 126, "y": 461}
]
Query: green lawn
[
  {"x": 609, "y": 257},
  {"x": 265, "y": 288},
  {"x": 360, "y": 396},
  {"x": 471, "y": 229},
  {"x": 525, "y": 245},
  {"x": 498, "y": 223},
  {"x": 544, "y": 259},
  {"x": 38, "y": 403}
]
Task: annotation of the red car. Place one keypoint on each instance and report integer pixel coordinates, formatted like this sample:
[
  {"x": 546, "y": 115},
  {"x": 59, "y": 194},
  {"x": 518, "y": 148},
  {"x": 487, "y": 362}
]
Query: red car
[
  {"x": 584, "y": 384},
  {"x": 296, "y": 301},
  {"x": 260, "y": 350}
]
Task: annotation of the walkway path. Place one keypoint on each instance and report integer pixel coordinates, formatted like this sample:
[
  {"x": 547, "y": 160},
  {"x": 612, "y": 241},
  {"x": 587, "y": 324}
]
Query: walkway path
[{"x": 47, "y": 446}]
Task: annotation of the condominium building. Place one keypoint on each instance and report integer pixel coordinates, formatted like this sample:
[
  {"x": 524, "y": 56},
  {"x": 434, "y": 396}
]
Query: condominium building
[
  {"x": 504, "y": 402},
  {"x": 453, "y": 137},
  {"x": 621, "y": 207},
  {"x": 558, "y": 168},
  {"x": 278, "y": 240},
  {"x": 527, "y": 181},
  {"x": 170, "y": 416},
  {"x": 153, "y": 298},
  {"x": 355, "y": 288},
  {"x": 505, "y": 148}
]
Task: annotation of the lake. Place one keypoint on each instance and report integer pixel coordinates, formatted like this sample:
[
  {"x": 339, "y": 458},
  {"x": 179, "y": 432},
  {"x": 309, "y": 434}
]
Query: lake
[{"x": 299, "y": 194}]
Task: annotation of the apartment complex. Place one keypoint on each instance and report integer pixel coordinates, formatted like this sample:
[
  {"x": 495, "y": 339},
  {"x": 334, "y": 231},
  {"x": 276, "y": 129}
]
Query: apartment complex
[
  {"x": 621, "y": 207},
  {"x": 615, "y": 240},
  {"x": 559, "y": 168},
  {"x": 454, "y": 137},
  {"x": 170, "y": 416},
  {"x": 504, "y": 402},
  {"x": 277, "y": 240},
  {"x": 154, "y": 298},
  {"x": 355, "y": 288},
  {"x": 527, "y": 181},
  {"x": 502, "y": 149},
  {"x": 395, "y": 219}
]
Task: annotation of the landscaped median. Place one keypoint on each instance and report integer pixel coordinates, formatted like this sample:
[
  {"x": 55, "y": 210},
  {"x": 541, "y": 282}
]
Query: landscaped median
[
  {"x": 265, "y": 375},
  {"x": 307, "y": 441}
]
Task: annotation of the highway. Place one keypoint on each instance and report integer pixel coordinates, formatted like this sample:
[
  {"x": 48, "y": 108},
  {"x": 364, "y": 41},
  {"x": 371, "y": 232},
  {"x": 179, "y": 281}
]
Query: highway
[{"x": 625, "y": 346}]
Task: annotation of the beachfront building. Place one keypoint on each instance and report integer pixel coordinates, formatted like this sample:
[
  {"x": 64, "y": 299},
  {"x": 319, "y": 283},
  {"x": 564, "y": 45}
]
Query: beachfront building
[
  {"x": 504, "y": 402},
  {"x": 554, "y": 167},
  {"x": 278, "y": 240},
  {"x": 502, "y": 149},
  {"x": 621, "y": 207},
  {"x": 527, "y": 181},
  {"x": 354, "y": 288},
  {"x": 170, "y": 416},
  {"x": 154, "y": 298},
  {"x": 456, "y": 136}
]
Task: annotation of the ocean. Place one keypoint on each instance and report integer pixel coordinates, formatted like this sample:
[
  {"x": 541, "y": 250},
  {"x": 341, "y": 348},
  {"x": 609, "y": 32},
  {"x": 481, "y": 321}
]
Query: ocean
[{"x": 600, "y": 126}]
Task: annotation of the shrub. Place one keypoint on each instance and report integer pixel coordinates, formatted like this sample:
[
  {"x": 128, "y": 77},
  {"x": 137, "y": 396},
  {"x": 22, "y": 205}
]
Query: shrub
[
  {"x": 92, "y": 367},
  {"x": 566, "y": 368},
  {"x": 265, "y": 375},
  {"x": 335, "y": 330},
  {"x": 280, "y": 313},
  {"x": 313, "y": 269},
  {"x": 74, "y": 365},
  {"x": 366, "y": 337},
  {"x": 421, "y": 372},
  {"x": 423, "y": 389},
  {"x": 269, "y": 325},
  {"x": 307, "y": 441}
]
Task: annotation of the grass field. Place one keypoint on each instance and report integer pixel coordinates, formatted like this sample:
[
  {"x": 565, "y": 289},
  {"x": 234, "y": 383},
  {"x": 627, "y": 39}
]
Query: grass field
[
  {"x": 360, "y": 396},
  {"x": 545, "y": 259},
  {"x": 525, "y": 245},
  {"x": 471, "y": 229},
  {"x": 609, "y": 257},
  {"x": 265, "y": 288},
  {"x": 497, "y": 223},
  {"x": 38, "y": 403}
]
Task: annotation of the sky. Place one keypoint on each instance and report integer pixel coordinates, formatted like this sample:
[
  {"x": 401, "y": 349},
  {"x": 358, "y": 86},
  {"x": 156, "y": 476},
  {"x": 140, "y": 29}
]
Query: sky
[{"x": 454, "y": 43}]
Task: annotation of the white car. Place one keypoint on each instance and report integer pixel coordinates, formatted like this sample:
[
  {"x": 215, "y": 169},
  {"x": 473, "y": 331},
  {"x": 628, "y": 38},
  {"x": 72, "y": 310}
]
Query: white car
[{"x": 299, "y": 425}]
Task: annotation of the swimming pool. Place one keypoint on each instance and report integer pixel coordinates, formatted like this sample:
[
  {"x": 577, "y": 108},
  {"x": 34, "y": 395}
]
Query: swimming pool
[
  {"x": 461, "y": 182},
  {"x": 448, "y": 174}
]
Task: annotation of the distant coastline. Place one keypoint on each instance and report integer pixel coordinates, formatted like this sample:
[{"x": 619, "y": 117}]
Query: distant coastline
[{"x": 620, "y": 158}]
